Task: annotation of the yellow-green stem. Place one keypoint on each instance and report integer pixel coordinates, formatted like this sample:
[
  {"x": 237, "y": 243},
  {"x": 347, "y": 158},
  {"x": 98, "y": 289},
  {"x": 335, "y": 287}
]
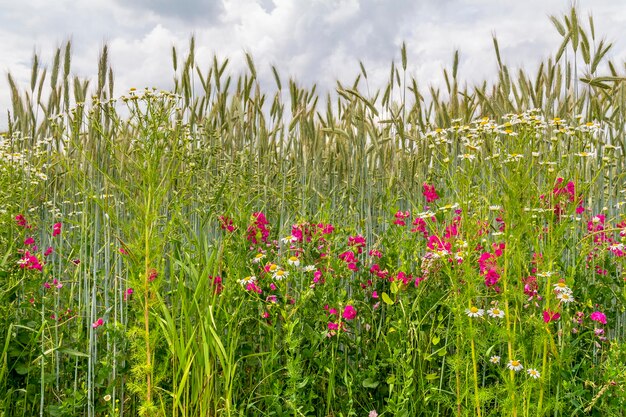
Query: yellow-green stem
[
  {"x": 474, "y": 365},
  {"x": 146, "y": 298}
]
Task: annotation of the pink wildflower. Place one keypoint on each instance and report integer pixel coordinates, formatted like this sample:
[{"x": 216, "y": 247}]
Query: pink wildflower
[
  {"x": 430, "y": 193},
  {"x": 357, "y": 241},
  {"x": 226, "y": 223},
  {"x": 22, "y": 222},
  {"x": 549, "y": 316},
  {"x": 400, "y": 216},
  {"x": 128, "y": 293},
  {"x": 56, "y": 229},
  {"x": 216, "y": 281},
  {"x": 258, "y": 230},
  {"x": 598, "y": 316},
  {"x": 97, "y": 323},
  {"x": 349, "y": 312},
  {"x": 152, "y": 274}
]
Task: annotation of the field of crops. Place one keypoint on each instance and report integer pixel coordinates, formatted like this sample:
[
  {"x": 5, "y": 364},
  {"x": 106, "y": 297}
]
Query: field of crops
[{"x": 232, "y": 249}]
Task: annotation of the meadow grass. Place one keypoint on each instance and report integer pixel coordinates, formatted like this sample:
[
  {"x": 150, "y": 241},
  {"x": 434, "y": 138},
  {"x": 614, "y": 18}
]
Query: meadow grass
[{"x": 216, "y": 250}]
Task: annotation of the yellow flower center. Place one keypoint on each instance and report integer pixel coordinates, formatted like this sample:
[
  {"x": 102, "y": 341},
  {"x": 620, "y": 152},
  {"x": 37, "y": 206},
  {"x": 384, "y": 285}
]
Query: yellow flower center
[
  {"x": 515, "y": 363},
  {"x": 496, "y": 311},
  {"x": 473, "y": 310}
]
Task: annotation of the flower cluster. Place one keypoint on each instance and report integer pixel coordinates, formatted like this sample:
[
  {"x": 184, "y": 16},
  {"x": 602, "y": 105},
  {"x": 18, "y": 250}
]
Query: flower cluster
[{"x": 258, "y": 231}]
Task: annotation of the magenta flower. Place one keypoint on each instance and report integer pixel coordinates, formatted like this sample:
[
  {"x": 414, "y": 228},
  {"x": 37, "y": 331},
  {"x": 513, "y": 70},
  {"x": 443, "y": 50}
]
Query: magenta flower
[
  {"x": 332, "y": 326},
  {"x": 128, "y": 293},
  {"x": 21, "y": 221},
  {"x": 216, "y": 282},
  {"x": 153, "y": 274},
  {"x": 252, "y": 286},
  {"x": 97, "y": 323},
  {"x": 400, "y": 216},
  {"x": 598, "y": 316},
  {"x": 430, "y": 193},
  {"x": 48, "y": 251},
  {"x": 349, "y": 313},
  {"x": 29, "y": 241},
  {"x": 258, "y": 230},
  {"x": 549, "y": 316},
  {"x": 227, "y": 224},
  {"x": 56, "y": 229},
  {"x": 357, "y": 241}
]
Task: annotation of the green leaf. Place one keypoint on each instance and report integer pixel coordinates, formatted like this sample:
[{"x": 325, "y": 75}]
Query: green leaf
[
  {"x": 436, "y": 340},
  {"x": 433, "y": 376},
  {"x": 394, "y": 287},
  {"x": 387, "y": 299},
  {"x": 370, "y": 383},
  {"x": 73, "y": 352}
]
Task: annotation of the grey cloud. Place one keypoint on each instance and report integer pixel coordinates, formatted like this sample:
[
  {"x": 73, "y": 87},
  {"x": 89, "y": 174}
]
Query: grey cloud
[{"x": 191, "y": 11}]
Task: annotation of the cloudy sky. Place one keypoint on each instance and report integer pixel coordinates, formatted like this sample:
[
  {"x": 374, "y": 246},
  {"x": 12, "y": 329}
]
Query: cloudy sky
[{"x": 314, "y": 41}]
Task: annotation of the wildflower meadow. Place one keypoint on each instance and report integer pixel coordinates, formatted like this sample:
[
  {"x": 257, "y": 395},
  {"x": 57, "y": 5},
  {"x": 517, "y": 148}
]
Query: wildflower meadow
[{"x": 231, "y": 249}]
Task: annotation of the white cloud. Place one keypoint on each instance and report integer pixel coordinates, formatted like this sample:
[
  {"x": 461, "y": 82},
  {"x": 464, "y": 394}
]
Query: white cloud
[{"x": 313, "y": 41}]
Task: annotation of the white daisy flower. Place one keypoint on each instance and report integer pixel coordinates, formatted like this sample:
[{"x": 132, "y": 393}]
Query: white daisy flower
[
  {"x": 561, "y": 287},
  {"x": 289, "y": 239},
  {"x": 494, "y": 359},
  {"x": 565, "y": 297},
  {"x": 309, "y": 268},
  {"x": 293, "y": 260},
  {"x": 514, "y": 365},
  {"x": 257, "y": 258},
  {"x": 474, "y": 312},
  {"x": 533, "y": 373},
  {"x": 247, "y": 280},
  {"x": 495, "y": 312},
  {"x": 280, "y": 274}
]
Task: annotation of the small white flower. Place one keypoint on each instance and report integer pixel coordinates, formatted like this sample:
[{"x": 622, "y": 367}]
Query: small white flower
[
  {"x": 565, "y": 297},
  {"x": 474, "y": 312},
  {"x": 280, "y": 274},
  {"x": 309, "y": 268},
  {"x": 495, "y": 312},
  {"x": 247, "y": 280},
  {"x": 561, "y": 287},
  {"x": 533, "y": 373},
  {"x": 293, "y": 260},
  {"x": 514, "y": 365},
  {"x": 257, "y": 258},
  {"x": 494, "y": 359},
  {"x": 289, "y": 239},
  {"x": 467, "y": 156}
]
